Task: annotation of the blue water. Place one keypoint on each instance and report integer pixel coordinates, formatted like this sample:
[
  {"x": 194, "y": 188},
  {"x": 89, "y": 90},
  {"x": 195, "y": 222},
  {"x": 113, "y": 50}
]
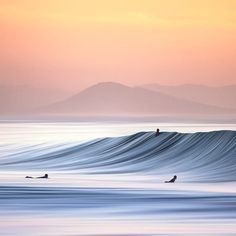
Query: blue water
[{"x": 115, "y": 185}]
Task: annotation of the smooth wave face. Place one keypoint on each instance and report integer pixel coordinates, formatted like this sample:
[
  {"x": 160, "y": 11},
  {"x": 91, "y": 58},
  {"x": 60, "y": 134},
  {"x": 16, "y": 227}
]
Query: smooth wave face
[
  {"x": 197, "y": 157},
  {"x": 115, "y": 186}
]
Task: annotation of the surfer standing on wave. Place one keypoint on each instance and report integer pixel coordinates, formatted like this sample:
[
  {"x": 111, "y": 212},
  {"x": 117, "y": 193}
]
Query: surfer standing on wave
[{"x": 157, "y": 132}]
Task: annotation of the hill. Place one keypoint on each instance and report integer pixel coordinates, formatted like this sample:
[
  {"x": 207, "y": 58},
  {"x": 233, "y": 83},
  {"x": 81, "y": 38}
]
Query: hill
[
  {"x": 224, "y": 96},
  {"x": 117, "y": 99}
]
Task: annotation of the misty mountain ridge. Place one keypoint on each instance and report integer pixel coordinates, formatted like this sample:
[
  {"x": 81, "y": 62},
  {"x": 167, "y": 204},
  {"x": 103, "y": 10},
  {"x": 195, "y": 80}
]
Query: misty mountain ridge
[
  {"x": 115, "y": 99},
  {"x": 109, "y": 98},
  {"x": 20, "y": 99},
  {"x": 220, "y": 96}
]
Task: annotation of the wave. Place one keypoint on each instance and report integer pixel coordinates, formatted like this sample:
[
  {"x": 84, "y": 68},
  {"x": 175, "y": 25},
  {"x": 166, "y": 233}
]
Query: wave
[{"x": 203, "y": 156}]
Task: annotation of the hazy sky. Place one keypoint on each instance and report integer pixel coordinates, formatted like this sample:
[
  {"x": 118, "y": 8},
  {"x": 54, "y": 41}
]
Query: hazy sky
[{"x": 72, "y": 44}]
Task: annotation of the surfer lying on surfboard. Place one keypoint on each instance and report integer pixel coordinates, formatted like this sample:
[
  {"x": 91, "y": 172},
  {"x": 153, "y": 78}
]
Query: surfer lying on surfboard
[
  {"x": 172, "y": 180},
  {"x": 40, "y": 177}
]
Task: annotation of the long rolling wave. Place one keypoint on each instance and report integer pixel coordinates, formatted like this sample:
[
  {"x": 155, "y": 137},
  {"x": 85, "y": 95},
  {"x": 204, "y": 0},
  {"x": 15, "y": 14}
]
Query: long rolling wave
[{"x": 209, "y": 156}]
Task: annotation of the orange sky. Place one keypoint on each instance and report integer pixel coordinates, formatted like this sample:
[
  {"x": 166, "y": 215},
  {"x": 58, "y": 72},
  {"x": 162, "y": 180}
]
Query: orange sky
[{"x": 72, "y": 44}]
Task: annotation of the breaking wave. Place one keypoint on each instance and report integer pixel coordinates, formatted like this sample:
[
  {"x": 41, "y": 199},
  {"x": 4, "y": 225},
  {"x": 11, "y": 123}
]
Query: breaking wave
[{"x": 209, "y": 156}]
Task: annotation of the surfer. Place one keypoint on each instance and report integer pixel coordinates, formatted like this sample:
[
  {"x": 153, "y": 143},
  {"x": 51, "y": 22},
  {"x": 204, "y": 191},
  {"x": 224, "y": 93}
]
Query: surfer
[
  {"x": 40, "y": 177},
  {"x": 172, "y": 180},
  {"x": 29, "y": 177},
  {"x": 43, "y": 177},
  {"x": 157, "y": 132}
]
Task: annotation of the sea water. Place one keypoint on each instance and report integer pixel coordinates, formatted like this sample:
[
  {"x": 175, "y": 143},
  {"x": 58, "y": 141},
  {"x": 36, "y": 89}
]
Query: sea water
[{"x": 108, "y": 179}]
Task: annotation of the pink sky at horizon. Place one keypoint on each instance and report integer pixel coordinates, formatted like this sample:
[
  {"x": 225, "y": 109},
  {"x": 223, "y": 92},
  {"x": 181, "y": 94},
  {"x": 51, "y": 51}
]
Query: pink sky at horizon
[{"x": 73, "y": 44}]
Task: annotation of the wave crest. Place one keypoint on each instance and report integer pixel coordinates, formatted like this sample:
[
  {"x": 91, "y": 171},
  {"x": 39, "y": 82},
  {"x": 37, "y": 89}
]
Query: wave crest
[{"x": 209, "y": 156}]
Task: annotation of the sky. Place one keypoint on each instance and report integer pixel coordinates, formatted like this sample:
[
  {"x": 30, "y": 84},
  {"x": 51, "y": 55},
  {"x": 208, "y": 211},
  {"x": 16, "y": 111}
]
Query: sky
[{"x": 72, "y": 44}]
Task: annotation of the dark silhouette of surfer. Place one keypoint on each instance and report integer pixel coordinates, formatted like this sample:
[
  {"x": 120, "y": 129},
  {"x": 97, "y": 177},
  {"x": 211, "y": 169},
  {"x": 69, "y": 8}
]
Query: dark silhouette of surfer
[
  {"x": 29, "y": 177},
  {"x": 43, "y": 177},
  {"x": 157, "y": 132},
  {"x": 40, "y": 177},
  {"x": 172, "y": 180}
]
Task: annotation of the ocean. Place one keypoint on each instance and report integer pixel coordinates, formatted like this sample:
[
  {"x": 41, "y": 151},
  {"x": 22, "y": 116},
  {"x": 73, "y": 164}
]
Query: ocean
[{"x": 108, "y": 179}]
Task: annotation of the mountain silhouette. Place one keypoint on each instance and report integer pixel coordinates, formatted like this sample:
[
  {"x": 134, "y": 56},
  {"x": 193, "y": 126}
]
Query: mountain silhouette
[
  {"x": 110, "y": 98},
  {"x": 223, "y": 96}
]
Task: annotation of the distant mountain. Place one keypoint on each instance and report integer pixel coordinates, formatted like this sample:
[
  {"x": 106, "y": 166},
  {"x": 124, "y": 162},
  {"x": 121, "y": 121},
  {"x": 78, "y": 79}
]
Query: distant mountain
[
  {"x": 18, "y": 100},
  {"x": 119, "y": 100},
  {"x": 224, "y": 96}
]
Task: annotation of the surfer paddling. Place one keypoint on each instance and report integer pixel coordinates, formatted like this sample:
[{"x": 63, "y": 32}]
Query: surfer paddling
[
  {"x": 40, "y": 177},
  {"x": 172, "y": 180},
  {"x": 43, "y": 177}
]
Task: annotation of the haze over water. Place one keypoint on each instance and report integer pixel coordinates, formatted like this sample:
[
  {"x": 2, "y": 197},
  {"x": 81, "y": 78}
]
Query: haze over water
[{"x": 40, "y": 132}]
